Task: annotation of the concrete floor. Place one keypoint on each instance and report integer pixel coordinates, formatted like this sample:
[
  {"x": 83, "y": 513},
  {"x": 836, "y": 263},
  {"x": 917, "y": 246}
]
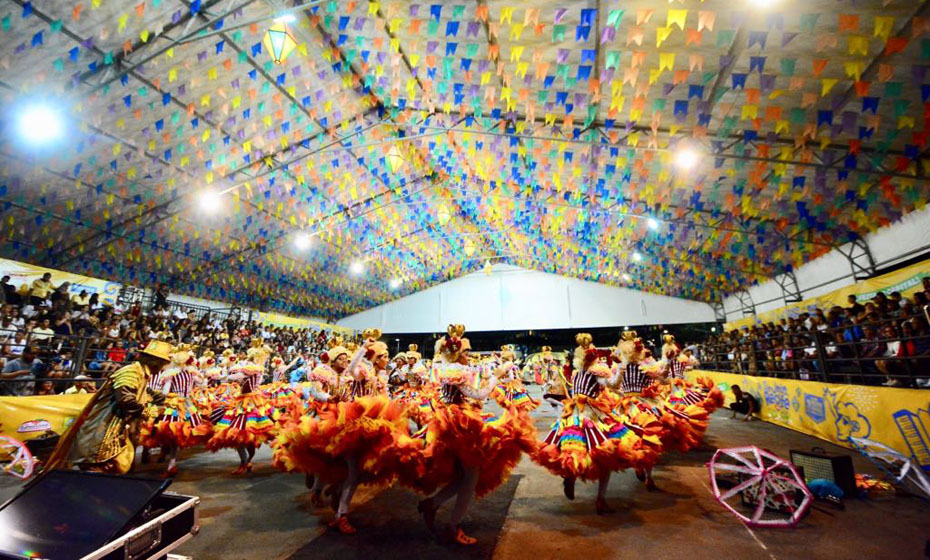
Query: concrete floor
[{"x": 268, "y": 515}]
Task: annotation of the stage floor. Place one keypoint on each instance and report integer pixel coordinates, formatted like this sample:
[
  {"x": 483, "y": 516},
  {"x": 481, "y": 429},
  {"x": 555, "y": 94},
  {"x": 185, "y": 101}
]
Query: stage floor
[{"x": 268, "y": 515}]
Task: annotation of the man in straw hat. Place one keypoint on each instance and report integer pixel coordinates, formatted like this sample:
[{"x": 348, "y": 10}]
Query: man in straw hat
[{"x": 100, "y": 437}]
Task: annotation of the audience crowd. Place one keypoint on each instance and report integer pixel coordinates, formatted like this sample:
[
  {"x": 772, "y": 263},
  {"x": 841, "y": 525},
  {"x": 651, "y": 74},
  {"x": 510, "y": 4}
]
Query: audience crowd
[
  {"x": 49, "y": 334},
  {"x": 883, "y": 341}
]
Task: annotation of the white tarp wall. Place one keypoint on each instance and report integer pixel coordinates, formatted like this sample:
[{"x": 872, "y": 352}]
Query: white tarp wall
[
  {"x": 896, "y": 242},
  {"x": 512, "y": 298}
]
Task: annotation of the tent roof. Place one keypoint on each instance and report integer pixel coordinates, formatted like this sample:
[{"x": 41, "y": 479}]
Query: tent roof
[{"x": 547, "y": 130}]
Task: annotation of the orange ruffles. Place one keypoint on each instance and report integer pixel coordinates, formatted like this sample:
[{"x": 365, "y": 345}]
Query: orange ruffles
[
  {"x": 462, "y": 434},
  {"x": 246, "y": 420},
  {"x": 366, "y": 428},
  {"x": 181, "y": 424},
  {"x": 513, "y": 394},
  {"x": 590, "y": 439}
]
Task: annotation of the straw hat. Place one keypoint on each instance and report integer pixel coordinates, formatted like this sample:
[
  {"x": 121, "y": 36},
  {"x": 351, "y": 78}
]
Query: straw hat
[
  {"x": 159, "y": 349},
  {"x": 412, "y": 352}
]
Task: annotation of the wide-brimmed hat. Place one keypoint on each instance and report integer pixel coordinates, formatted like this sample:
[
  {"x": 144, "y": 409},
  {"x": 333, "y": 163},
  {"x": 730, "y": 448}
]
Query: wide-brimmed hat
[{"x": 159, "y": 349}]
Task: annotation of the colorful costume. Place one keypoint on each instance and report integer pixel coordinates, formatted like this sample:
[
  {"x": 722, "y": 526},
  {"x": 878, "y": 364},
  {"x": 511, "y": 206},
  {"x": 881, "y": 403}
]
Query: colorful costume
[
  {"x": 247, "y": 418},
  {"x": 181, "y": 423}
]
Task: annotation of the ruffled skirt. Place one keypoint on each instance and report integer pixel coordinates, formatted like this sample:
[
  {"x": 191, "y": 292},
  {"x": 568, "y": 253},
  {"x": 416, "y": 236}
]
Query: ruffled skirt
[
  {"x": 461, "y": 435},
  {"x": 590, "y": 440},
  {"x": 366, "y": 429},
  {"x": 510, "y": 396},
  {"x": 180, "y": 425},
  {"x": 246, "y": 420}
]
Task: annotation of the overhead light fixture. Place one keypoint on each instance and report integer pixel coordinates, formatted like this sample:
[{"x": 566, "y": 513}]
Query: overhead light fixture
[
  {"x": 285, "y": 18},
  {"x": 210, "y": 201},
  {"x": 303, "y": 241},
  {"x": 395, "y": 159},
  {"x": 279, "y": 42},
  {"x": 443, "y": 215},
  {"x": 637, "y": 256},
  {"x": 627, "y": 277},
  {"x": 686, "y": 157},
  {"x": 357, "y": 267},
  {"x": 395, "y": 283},
  {"x": 763, "y": 4},
  {"x": 653, "y": 224},
  {"x": 40, "y": 124},
  {"x": 713, "y": 329}
]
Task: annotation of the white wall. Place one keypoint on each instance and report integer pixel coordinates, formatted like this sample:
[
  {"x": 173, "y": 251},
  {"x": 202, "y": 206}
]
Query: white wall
[
  {"x": 512, "y": 298},
  {"x": 895, "y": 242}
]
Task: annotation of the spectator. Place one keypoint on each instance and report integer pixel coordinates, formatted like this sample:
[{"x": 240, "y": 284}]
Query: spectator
[
  {"x": 10, "y": 297},
  {"x": 41, "y": 288},
  {"x": 854, "y": 306},
  {"x": 82, "y": 298},
  {"x": 43, "y": 332},
  {"x": 82, "y": 385},
  {"x": 18, "y": 377},
  {"x": 161, "y": 297},
  {"x": 46, "y": 387},
  {"x": 743, "y": 403}
]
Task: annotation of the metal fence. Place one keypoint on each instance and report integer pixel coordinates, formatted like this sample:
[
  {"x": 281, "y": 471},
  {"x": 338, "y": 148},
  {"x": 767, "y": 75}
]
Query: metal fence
[{"x": 858, "y": 353}]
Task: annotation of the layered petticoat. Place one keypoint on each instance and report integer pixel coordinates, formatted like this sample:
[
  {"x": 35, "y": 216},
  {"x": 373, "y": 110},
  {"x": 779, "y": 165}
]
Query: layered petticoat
[
  {"x": 590, "y": 439},
  {"x": 512, "y": 394},
  {"x": 246, "y": 420},
  {"x": 367, "y": 429},
  {"x": 181, "y": 424},
  {"x": 461, "y": 435}
]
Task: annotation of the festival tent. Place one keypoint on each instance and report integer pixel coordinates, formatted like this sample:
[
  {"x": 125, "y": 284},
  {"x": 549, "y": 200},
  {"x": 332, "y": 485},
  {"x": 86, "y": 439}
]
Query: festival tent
[
  {"x": 506, "y": 298},
  {"x": 324, "y": 157}
]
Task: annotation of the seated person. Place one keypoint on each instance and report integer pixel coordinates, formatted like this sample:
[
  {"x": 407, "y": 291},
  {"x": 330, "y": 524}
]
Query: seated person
[{"x": 744, "y": 404}]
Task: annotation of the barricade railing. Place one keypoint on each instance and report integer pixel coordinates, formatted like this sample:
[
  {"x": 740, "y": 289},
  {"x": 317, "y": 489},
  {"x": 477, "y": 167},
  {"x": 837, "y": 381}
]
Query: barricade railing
[{"x": 821, "y": 355}]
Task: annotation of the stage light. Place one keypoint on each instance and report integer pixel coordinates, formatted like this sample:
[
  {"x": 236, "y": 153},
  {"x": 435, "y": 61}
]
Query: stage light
[
  {"x": 357, "y": 267},
  {"x": 302, "y": 241},
  {"x": 285, "y": 18},
  {"x": 210, "y": 201},
  {"x": 637, "y": 256},
  {"x": 395, "y": 283},
  {"x": 443, "y": 215},
  {"x": 686, "y": 157},
  {"x": 279, "y": 42},
  {"x": 395, "y": 159},
  {"x": 653, "y": 224},
  {"x": 40, "y": 124},
  {"x": 627, "y": 277}
]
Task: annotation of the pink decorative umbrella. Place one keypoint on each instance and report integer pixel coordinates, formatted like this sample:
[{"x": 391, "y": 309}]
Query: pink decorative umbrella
[
  {"x": 759, "y": 487},
  {"x": 15, "y": 458}
]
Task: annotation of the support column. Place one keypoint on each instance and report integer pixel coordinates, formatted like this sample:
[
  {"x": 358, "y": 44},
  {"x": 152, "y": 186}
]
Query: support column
[{"x": 789, "y": 286}]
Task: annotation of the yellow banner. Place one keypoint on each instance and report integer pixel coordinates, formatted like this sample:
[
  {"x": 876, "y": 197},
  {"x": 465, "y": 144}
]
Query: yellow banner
[
  {"x": 278, "y": 320},
  {"x": 25, "y": 418},
  {"x": 907, "y": 281},
  {"x": 23, "y": 273},
  {"x": 898, "y": 418}
]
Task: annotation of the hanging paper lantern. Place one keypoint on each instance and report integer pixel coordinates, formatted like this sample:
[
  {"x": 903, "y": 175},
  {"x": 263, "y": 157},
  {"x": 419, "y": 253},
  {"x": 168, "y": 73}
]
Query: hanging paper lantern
[
  {"x": 279, "y": 42},
  {"x": 395, "y": 159},
  {"x": 443, "y": 215}
]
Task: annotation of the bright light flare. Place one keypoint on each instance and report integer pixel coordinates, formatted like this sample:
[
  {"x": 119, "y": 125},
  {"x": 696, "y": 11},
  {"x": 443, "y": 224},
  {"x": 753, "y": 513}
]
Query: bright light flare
[
  {"x": 686, "y": 158},
  {"x": 302, "y": 241},
  {"x": 40, "y": 124},
  {"x": 210, "y": 201},
  {"x": 627, "y": 277},
  {"x": 653, "y": 224},
  {"x": 637, "y": 256},
  {"x": 357, "y": 267},
  {"x": 395, "y": 283},
  {"x": 285, "y": 18}
]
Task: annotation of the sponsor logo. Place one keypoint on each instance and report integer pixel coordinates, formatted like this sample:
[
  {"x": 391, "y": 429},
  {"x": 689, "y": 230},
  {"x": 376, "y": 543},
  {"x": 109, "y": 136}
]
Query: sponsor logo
[{"x": 34, "y": 426}]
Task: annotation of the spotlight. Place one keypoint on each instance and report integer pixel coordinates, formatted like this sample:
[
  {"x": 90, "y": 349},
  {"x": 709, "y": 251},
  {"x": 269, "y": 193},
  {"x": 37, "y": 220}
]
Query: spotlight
[
  {"x": 40, "y": 124},
  {"x": 653, "y": 224},
  {"x": 357, "y": 267},
  {"x": 285, "y": 18},
  {"x": 763, "y": 4},
  {"x": 713, "y": 329},
  {"x": 686, "y": 157},
  {"x": 302, "y": 241},
  {"x": 627, "y": 277},
  {"x": 637, "y": 256},
  {"x": 210, "y": 201},
  {"x": 395, "y": 283}
]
